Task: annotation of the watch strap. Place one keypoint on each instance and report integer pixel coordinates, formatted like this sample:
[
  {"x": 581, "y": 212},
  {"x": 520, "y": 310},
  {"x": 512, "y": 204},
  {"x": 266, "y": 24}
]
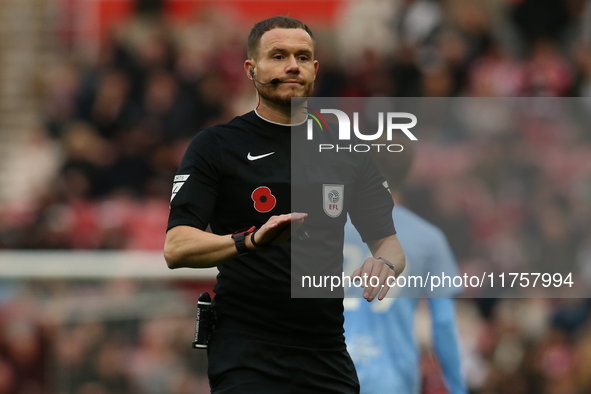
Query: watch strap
[
  {"x": 256, "y": 244},
  {"x": 240, "y": 243},
  {"x": 389, "y": 264}
]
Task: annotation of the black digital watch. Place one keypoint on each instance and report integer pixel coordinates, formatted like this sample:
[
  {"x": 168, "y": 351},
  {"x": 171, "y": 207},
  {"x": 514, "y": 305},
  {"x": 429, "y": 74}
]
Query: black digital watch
[{"x": 240, "y": 242}]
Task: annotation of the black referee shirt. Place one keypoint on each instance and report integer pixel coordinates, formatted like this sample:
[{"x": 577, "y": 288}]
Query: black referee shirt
[{"x": 238, "y": 174}]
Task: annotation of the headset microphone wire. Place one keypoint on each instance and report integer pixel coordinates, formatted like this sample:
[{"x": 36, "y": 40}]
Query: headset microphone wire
[{"x": 274, "y": 81}]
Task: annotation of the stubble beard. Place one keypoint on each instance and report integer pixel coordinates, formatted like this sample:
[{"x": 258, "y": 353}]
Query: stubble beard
[{"x": 269, "y": 94}]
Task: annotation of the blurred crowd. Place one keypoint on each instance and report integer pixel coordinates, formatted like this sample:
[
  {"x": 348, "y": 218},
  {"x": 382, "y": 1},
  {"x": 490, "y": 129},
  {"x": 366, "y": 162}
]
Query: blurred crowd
[
  {"x": 510, "y": 186},
  {"x": 516, "y": 197},
  {"x": 113, "y": 337},
  {"x": 526, "y": 346},
  {"x": 114, "y": 128},
  {"x": 99, "y": 168},
  {"x": 130, "y": 337}
]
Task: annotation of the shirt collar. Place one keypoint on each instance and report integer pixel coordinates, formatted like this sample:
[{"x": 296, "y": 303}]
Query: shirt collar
[{"x": 280, "y": 124}]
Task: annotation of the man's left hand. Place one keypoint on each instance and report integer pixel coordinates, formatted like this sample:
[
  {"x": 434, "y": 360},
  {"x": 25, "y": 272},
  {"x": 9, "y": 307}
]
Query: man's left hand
[{"x": 374, "y": 268}]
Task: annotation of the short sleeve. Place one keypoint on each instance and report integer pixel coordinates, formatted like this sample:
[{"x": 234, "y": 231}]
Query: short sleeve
[
  {"x": 196, "y": 184},
  {"x": 371, "y": 209}
]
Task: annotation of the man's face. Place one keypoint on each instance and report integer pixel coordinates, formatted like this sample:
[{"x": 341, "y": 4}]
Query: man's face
[{"x": 286, "y": 54}]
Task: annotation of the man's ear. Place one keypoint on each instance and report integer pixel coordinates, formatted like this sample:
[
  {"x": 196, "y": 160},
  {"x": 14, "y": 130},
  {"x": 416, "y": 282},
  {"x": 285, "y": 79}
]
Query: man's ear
[
  {"x": 249, "y": 66},
  {"x": 315, "y": 68}
]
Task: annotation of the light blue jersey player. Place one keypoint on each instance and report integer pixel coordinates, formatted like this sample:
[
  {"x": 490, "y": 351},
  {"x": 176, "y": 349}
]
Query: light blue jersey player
[{"x": 380, "y": 336}]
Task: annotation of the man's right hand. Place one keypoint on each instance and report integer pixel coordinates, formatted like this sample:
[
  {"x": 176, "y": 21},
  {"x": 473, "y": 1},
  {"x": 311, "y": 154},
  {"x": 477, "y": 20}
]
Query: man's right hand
[{"x": 277, "y": 229}]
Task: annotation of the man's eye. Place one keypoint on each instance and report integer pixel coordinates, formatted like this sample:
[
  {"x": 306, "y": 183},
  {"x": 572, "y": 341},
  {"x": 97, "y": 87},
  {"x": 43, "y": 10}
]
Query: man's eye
[
  {"x": 303, "y": 58},
  {"x": 279, "y": 57}
]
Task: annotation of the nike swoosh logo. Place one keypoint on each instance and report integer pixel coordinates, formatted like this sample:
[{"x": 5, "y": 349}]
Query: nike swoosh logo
[{"x": 252, "y": 158}]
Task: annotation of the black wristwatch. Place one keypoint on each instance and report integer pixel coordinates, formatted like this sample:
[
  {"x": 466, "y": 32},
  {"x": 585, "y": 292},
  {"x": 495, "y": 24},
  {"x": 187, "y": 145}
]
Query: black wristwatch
[{"x": 239, "y": 240}]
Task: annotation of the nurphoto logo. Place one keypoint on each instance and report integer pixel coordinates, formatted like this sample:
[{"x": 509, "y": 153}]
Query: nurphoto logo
[{"x": 344, "y": 122}]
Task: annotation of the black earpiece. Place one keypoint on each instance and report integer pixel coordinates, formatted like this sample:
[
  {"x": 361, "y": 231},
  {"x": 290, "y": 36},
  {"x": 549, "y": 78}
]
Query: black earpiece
[{"x": 274, "y": 81}]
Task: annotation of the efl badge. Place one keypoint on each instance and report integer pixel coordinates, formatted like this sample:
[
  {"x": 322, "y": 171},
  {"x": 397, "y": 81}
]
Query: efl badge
[{"x": 333, "y": 196}]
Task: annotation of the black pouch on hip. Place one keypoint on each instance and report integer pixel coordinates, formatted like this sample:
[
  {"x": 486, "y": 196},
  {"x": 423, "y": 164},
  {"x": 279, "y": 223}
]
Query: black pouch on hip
[{"x": 203, "y": 322}]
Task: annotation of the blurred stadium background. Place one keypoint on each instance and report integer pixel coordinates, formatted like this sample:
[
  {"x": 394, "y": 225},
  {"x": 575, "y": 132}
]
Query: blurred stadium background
[{"x": 99, "y": 98}]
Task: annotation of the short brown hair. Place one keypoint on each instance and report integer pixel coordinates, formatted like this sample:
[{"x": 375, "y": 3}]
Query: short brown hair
[{"x": 276, "y": 22}]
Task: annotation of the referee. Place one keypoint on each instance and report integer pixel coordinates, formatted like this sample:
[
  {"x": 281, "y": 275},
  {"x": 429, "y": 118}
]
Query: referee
[{"x": 236, "y": 178}]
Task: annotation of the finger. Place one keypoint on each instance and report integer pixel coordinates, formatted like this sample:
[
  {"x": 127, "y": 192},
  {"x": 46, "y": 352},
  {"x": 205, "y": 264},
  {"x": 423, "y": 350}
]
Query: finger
[
  {"x": 356, "y": 279},
  {"x": 295, "y": 216},
  {"x": 267, "y": 232},
  {"x": 276, "y": 221},
  {"x": 275, "y": 231},
  {"x": 383, "y": 288},
  {"x": 297, "y": 219},
  {"x": 290, "y": 216},
  {"x": 377, "y": 276},
  {"x": 365, "y": 275},
  {"x": 281, "y": 221},
  {"x": 281, "y": 226},
  {"x": 285, "y": 218},
  {"x": 367, "y": 284},
  {"x": 387, "y": 285}
]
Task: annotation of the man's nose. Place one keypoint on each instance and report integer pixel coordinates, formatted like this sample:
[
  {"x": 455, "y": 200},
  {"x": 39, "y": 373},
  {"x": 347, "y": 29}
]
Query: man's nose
[{"x": 292, "y": 65}]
